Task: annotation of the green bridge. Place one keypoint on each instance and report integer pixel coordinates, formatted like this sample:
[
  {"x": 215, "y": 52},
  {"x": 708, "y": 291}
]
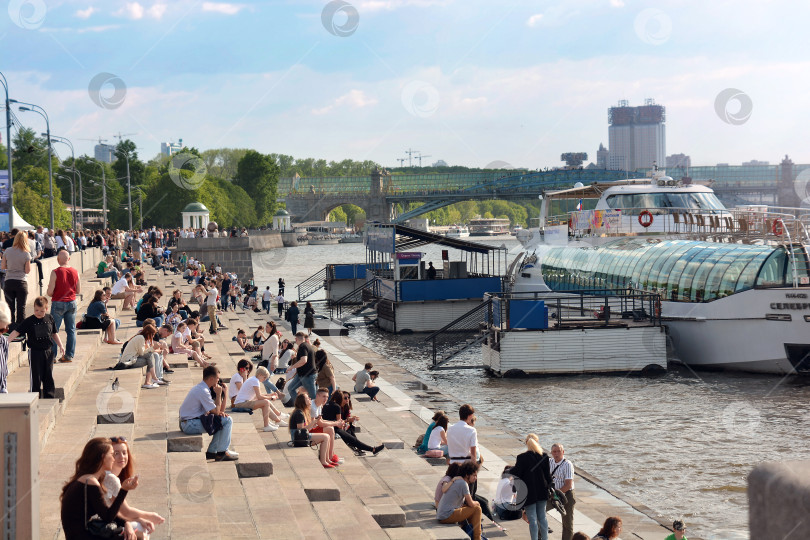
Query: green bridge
[{"x": 311, "y": 199}]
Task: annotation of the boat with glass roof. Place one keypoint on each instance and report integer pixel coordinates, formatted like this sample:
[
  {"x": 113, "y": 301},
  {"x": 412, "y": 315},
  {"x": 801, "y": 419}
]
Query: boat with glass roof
[{"x": 734, "y": 283}]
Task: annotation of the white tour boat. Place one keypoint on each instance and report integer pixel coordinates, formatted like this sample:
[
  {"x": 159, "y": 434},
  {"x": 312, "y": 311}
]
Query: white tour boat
[
  {"x": 458, "y": 231},
  {"x": 734, "y": 283}
]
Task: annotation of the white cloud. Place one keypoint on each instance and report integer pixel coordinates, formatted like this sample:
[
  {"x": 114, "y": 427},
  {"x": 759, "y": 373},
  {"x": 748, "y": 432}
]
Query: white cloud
[
  {"x": 389, "y": 5},
  {"x": 222, "y": 8},
  {"x": 157, "y": 11},
  {"x": 85, "y": 13},
  {"x": 534, "y": 20},
  {"x": 354, "y": 99},
  {"x": 130, "y": 10},
  {"x": 616, "y": 3}
]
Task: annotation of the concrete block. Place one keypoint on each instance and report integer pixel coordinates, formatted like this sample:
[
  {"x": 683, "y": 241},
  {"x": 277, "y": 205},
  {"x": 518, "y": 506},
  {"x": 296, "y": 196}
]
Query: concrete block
[
  {"x": 436, "y": 461},
  {"x": 251, "y": 466},
  {"x": 316, "y": 494},
  {"x": 117, "y": 418},
  {"x": 394, "y": 444},
  {"x": 779, "y": 500},
  {"x": 388, "y": 515},
  {"x": 180, "y": 442},
  {"x": 178, "y": 366}
]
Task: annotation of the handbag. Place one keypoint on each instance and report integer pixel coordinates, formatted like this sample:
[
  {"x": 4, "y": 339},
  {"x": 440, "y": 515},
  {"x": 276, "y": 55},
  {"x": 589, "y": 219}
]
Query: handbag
[
  {"x": 98, "y": 527},
  {"x": 301, "y": 438}
]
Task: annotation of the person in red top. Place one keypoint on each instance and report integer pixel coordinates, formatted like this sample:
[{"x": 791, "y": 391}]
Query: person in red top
[{"x": 63, "y": 287}]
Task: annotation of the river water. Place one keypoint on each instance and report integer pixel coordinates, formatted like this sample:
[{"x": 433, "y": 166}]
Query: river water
[{"x": 681, "y": 443}]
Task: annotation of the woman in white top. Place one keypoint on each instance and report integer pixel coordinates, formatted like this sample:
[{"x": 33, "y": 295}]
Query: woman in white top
[
  {"x": 438, "y": 437},
  {"x": 243, "y": 369},
  {"x": 250, "y": 397},
  {"x": 140, "y": 351},
  {"x": 125, "y": 288},
  {"x": 270, "y": 349},
  {"x": 180, "y": 346}
]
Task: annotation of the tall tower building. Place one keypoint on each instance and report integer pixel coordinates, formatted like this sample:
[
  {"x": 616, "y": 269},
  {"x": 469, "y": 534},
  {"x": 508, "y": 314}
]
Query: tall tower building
[
  {"x": 104, "y": 153},
  {"x": 602, "y": 157},
  {"x": 171, "y": 148},
  {"x": 637, "y": 136}
]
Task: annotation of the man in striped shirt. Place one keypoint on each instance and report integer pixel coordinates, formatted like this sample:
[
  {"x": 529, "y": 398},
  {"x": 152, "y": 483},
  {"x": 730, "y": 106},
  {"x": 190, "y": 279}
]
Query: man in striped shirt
[{"x": 562, "y": 473}]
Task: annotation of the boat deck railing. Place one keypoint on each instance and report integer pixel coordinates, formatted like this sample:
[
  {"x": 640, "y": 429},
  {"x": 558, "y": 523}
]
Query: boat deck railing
[
  {"x": 574, "y": 310},
  {"x": 748, "y": 225}
]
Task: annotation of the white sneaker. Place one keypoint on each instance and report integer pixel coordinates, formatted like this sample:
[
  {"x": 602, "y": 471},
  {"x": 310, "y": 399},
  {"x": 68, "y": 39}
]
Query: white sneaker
[
  {"x": 271, "y": 427},
  {"x": 283, "y": 424},
  {"x": 285, "y": 416},
  {"x": 153, "y": 385}
]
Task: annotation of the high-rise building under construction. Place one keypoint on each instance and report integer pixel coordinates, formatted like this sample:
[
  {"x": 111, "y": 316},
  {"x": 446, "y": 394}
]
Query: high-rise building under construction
[{"x": 637, "y": 136}]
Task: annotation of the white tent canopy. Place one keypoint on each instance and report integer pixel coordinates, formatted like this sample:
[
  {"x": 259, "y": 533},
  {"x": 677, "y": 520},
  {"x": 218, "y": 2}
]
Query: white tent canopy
[{"x": 20, "y": 223}]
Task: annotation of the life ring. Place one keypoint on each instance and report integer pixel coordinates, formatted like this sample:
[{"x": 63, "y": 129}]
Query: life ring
[
  {"x": 778, "y": 227},
  {"x": 645, "y": 218}
]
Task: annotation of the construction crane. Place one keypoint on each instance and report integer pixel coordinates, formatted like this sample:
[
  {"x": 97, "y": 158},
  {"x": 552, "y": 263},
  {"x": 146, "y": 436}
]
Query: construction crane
[
  {"x": 401, "y": 161},
  {"x": 420, "y": 156},
  {"x": 100, "y": 140},
  {"x": 121, "y": 136},
  {"x": 410, "y": 153}
]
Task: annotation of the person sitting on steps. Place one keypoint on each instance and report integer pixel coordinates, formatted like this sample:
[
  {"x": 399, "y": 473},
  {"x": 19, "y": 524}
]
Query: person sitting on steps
[
  {"x": 250, "y": 397},
  {"x": 332, "y": 412},
  {"x": 301, "y": 418},
  {"x": 364, "y": 382},
  {"x": 456, "y": 504},
  {"x": 198, "y": 404}
]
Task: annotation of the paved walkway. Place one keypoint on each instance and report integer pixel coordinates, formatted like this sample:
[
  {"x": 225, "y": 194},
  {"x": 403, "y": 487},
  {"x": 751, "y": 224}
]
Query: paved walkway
[{"x": 376, "y": 497}]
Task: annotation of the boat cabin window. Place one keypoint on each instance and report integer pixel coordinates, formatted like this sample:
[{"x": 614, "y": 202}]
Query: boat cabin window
[
  {"x": 679, "y": 200},
  {"x": 772, "y": 273}
]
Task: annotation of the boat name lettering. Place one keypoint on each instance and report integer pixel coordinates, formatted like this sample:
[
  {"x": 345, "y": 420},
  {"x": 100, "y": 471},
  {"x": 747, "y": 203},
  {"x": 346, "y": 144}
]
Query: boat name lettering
[
  {"x": 780, "y": 305},
  {"x": 795, "y": 295}
]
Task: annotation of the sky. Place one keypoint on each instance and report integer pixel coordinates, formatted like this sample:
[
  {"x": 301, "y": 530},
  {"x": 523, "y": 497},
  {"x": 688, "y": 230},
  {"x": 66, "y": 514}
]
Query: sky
[{"x": 465, "y": 81}]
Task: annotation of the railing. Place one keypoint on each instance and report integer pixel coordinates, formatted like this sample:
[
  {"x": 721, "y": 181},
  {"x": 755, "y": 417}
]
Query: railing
[
  {"x": 576, "y": 309},
  {"x": 738, "y": 223},
  {"x": 472, "y": 321},
  {"x": 360, "y": 299},
  {"x": 312, "y": 284}
]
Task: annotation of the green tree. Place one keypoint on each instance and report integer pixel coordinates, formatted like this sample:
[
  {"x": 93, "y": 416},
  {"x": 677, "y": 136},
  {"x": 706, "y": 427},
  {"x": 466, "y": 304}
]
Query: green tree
[
  {"x": 257, "y": 174},
  {"x": 137, "y": 168},
  {"x": 29, "y": 150},
  {"x": 36, "y": 180},
  {"x": 338, "y": 215}
]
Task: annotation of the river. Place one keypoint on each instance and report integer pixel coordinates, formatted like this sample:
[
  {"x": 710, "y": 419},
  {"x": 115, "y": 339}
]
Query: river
[{"x": 682, "y": 443}]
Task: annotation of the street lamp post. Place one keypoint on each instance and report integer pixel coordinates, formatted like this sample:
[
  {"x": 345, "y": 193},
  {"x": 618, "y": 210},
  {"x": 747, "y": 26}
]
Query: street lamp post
[
  {"x": 103, "y": 190},
  {"x": 72, "y": 198},
  {"x": 40, "y": 111},
  {"x": 8, "y": 151},
  {"x": 81, "y": 199},
  {"x": 64, "y": 140}
]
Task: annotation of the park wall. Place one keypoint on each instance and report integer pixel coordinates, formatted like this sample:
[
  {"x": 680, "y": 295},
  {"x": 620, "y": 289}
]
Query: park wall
[{"x": 233, "y": 254}]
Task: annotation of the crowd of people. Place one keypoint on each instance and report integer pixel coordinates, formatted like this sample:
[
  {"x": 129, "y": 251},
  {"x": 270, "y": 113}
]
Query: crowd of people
[
  {"x": 535, "y": 484},
  {"x": 94, "y": 497}
]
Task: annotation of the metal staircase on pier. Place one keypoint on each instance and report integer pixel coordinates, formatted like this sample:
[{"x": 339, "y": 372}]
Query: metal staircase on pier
[
  {"x": 474, "y": 321},
  {"x": 357, "y": 303},
  {"x": 312, "y": 284}
]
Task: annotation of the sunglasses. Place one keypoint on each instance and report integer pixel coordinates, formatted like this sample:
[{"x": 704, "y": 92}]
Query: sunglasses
[{"x": 117, "y": 440}]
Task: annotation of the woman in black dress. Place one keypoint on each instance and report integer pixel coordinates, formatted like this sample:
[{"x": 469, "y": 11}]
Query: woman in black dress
[
  {"x": 309, "y": 318},
  {"x": 83, "y": 496}
]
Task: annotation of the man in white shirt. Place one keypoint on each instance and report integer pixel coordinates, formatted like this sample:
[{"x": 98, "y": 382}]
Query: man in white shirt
[
  {"x": 267, "y": 297},
  {"x": 211, "y": 303},
  {"x": 562, "y": 473},
  {"x": 462, "y": 438},
  {"x": 280, "y": 300},
  {"x": 199, "y": 403}
]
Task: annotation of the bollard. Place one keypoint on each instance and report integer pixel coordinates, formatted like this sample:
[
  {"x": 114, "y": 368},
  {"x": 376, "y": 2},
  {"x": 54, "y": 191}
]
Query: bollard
[{"x": 19, "y": 445}]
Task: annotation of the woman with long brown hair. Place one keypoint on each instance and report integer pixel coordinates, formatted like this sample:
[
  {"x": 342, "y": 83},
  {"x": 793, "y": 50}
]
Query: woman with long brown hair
[
  {"x": 83, "y": 495},
  {"x": 301, "y": 418},
  {"x": 143, "y": 523},
  {"x": 610, "y": 529}
]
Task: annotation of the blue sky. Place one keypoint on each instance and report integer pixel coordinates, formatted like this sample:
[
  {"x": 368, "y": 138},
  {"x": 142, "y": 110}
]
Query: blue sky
[{"x": 466, "y": 81}]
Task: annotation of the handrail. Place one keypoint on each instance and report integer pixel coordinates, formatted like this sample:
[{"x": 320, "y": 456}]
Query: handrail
[
  {"x": 476, "y": 316},
  {"x": 312, "y": 284},
  {"x": 355, "y": 297}
]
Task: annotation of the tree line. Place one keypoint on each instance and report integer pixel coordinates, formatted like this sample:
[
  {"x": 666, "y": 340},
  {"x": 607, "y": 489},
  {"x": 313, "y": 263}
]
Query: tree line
[{"x": 238, "y": 185}]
